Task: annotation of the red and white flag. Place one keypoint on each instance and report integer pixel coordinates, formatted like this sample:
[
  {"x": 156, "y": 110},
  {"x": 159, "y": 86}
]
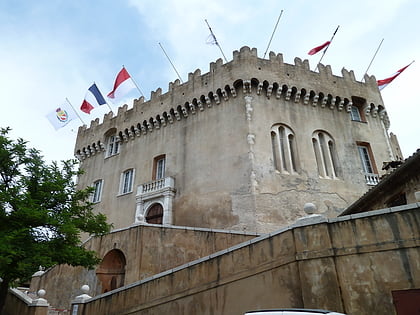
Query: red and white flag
[
  {"x": 314, "y": 50},
  {"x": 383, "y": 83},
  {"x": 123, "y": 84}
]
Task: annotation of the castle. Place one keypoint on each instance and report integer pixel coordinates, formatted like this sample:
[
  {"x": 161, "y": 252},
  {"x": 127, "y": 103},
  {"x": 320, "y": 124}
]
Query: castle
[
  {"x": 242, "y": 147},
  {"x": 206, "y": 186}
]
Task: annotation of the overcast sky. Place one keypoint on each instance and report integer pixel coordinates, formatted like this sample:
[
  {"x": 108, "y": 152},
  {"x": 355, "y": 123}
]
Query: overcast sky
[{"x": 53, "y": 49}]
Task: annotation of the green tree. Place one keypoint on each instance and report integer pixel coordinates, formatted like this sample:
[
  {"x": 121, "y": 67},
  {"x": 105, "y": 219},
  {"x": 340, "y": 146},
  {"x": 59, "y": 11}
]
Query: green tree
[{"x": 41, "y": 214}]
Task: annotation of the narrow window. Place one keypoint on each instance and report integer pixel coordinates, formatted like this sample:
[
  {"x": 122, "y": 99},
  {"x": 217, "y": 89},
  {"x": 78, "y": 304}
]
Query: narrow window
[
  {"x": 159, "y": 167},
  {"x": 284, "y": 149},
  {"x": 292, "y": 148},
  {"x": 333, "y": 156},
  {"x": 325, "y": 154},
  {"x": 276, "y": 150},
  {"x": 97, "y": 193},
  {"x": 126, "y": 185},
  {"x": 319, "y": 161},
  {"x": 355, "y": 113}
]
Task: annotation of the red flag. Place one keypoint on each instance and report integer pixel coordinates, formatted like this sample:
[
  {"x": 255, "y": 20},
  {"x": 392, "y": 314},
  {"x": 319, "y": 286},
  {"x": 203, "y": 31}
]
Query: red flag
[
  {"x": 123, "y": 84},
  {"x": 383, "y": 83},
  {"x": 313, "y": 51}
]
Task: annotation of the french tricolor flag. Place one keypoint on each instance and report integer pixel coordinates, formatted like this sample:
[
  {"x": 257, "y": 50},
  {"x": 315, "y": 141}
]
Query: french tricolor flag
[
  {"x": 93, "y": 98},
  {"x": 123, "y": 84}
]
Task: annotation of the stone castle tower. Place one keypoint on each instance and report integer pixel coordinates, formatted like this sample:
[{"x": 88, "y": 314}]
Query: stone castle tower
[{"x": 242, "y": 147}]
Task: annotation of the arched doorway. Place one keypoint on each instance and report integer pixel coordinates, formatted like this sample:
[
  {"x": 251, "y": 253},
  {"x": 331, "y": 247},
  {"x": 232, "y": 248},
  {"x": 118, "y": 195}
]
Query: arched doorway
[
  {"x": 155, "y": 214},
  {"x": 111, "y": 271}
]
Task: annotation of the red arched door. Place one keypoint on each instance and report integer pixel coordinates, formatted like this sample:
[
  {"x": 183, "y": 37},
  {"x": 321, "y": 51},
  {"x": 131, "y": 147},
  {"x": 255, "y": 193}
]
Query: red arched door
[
  {"x": 155, "y": 214},
  {"x": 111, "y": 271}
]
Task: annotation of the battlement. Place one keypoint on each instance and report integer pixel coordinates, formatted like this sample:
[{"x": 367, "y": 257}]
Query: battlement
[{"x": 244, "y": 74}]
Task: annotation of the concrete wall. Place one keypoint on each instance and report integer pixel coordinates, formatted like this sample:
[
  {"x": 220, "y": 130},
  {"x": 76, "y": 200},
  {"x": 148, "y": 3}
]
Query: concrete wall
[
  {"x": 350, "y": 264},
  {"x": 148, "y": 250},
  {"x": 215, "y": 133}
]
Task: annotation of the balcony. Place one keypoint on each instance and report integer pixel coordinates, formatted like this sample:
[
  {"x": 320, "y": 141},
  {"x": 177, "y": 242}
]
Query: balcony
[
  {"x": 160, "y": 191},
  {"x": 156, "y": 186},
  {"x": 371, "y": 179}
]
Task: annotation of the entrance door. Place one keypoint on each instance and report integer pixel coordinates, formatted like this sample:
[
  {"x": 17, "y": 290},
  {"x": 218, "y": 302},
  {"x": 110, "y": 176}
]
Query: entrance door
[{"x": 155, "y": 214}]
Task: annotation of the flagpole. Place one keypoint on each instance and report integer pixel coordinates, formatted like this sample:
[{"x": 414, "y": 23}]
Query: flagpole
[
  {"x": 135, "y": 83},
  {"x": 75, "y": 111},
  {"x": 171, "y": 62},
  {"x": 372, "y": 59},
  {"x": 323, "y": 53},
  {"x": 215, "y": 40},
  {"x": 275, "y": 27},
  {"x": 109, "y": 107}
]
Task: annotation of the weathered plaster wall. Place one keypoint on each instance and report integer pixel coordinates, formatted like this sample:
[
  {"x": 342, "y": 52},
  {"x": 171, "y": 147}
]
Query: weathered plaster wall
[
  {"x": 215, "y": 133},
  {"x": 350, "y": 264},
  {"x": 148, "y": 250}
]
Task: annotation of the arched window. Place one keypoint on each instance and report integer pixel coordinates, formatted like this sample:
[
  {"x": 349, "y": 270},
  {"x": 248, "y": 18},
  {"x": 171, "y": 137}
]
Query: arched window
[
  {"x": 155, "y": 214},
  {"x": 325, "y": 154},
  {"x": 284, "y": 149}
]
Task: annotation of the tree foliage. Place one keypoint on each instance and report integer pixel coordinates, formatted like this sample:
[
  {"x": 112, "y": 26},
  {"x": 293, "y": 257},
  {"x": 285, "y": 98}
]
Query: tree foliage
[{"x": 42, "y": 214}]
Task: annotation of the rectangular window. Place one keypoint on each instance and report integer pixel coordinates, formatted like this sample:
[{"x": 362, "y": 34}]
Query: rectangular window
[
  {"x": 365, "y": 158},
  {"x": 113, "y": 146},
  {"x": 355, "y": 113},
  {"x": 126, "y": 185},
  {"x": 159, "y": 167},
  {"x": 368, "y": 163},
  {"x": 97, "y": 193}
]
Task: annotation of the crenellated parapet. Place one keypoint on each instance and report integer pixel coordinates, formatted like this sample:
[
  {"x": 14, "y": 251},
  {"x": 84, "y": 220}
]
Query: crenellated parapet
[{"x": 245, "y": 75}]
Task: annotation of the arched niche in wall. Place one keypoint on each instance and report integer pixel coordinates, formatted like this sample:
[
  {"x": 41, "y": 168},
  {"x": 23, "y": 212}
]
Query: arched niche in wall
[{"x": 111, "y": 271}]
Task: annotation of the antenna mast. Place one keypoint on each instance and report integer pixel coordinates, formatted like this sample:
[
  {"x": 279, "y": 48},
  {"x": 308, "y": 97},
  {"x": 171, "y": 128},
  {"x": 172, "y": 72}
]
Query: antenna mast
[
  {"x": 215, "y": 40},
  {"x": 179, "y": 77},
  {"x": 372, "y": 59},
  {"x": 275, "y": 27}
]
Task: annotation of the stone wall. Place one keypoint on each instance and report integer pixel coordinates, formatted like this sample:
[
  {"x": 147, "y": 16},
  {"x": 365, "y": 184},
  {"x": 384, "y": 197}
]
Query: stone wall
[
  {"x": 214, "y": 131},
  {"x": 350, "y": 264},
  {"x": 148, "y": 250},
  {"x": 20, "y": 303}
]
